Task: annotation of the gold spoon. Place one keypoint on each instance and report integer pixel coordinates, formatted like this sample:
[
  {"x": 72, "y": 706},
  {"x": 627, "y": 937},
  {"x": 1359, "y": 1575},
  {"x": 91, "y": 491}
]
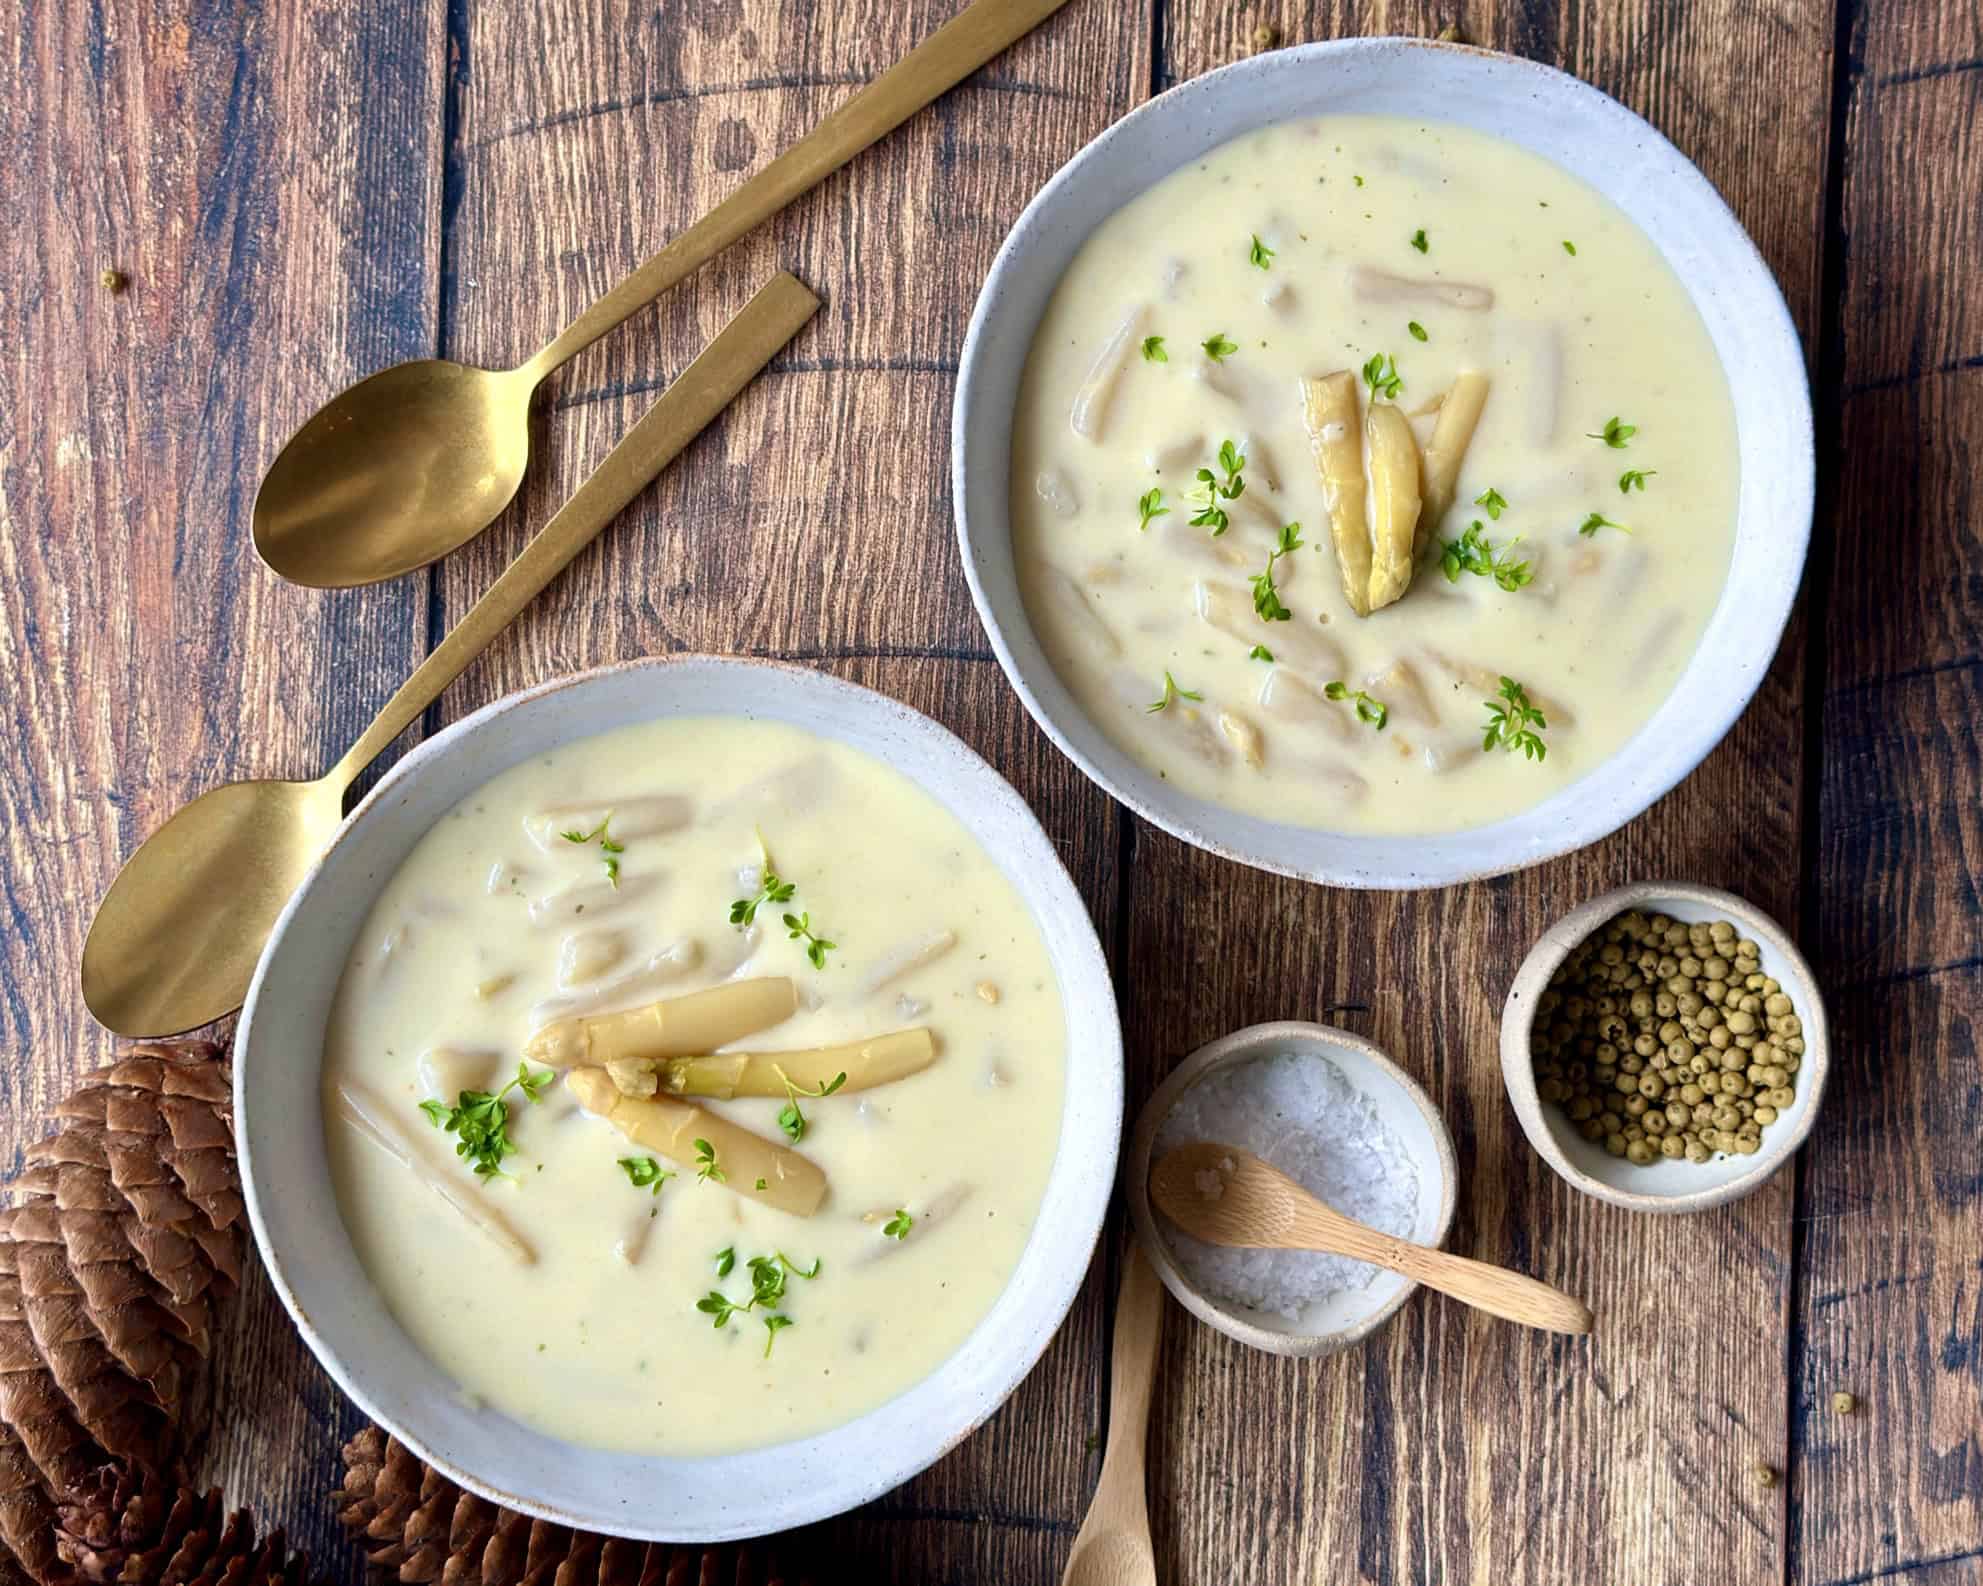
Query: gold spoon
[
  {"x": 1113, "y": 1547},
  {"x": 1251, "y": 1203},
  {"x": 405, "y": 466},
  {"x": 175, "y": 940}
]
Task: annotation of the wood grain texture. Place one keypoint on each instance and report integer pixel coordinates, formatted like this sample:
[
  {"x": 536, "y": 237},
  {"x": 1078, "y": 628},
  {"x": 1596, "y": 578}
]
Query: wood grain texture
[
  {"x": 1890, "y": 1281},
  {"x": 269, "y": 181},
  {"x": 305, "y": 192}
]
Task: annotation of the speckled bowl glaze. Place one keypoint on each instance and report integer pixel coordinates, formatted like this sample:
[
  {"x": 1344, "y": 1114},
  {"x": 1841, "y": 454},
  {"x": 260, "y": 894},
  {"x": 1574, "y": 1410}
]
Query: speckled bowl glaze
[
  {"x": 1663, "y": 1186},
  {"x": 1338, "y": 1320},
  {"x": 1586, "y": 133},
  {"x": 279, "y": 1121}
]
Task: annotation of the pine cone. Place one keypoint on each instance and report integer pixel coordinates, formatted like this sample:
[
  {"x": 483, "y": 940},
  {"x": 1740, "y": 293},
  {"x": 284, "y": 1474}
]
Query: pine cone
[
  {"x": 138, "y": 1530},
  {"x": 425, "y": 1529},
  {"x": 125, "y": 1236}
]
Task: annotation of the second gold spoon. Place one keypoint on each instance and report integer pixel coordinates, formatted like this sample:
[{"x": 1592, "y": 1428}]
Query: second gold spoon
[
  {"x": 175, "y": 940},
  {"x": 1227, "y": 1196},
  {"x": 418, "y": 459}
]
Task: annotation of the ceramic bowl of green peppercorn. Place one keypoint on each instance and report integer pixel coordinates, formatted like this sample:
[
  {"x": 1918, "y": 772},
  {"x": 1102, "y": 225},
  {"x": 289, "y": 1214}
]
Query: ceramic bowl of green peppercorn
[{"x": 1665, "y": 1047}]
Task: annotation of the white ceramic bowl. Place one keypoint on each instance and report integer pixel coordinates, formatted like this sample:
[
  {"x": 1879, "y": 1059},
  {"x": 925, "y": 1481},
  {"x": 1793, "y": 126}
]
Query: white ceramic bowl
[
  {"x": 279, "y": 1121},
  {"x": 1663, "y": 1186},
  {"x": 1338, "y": 1320},
  {"x": 1586, "y": 133}
]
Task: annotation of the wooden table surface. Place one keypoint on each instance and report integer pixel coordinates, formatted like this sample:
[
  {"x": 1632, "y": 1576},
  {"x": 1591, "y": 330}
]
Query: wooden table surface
[{"x": 303, "y": 192}]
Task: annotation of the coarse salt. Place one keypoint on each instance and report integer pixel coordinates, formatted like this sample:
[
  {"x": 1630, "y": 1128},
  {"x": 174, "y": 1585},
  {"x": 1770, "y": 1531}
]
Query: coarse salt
[{"x": 1299, "y": 1111}]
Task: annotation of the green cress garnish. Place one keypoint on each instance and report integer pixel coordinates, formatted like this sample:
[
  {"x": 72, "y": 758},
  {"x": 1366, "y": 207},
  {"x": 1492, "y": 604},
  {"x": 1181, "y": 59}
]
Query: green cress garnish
[
  {"x": 1260, "y": 652},
  {"x": 771, "y": 888},
  {"x": 1492, "y": 502},
  {"x": 1153, "y": 350},
  {"x": 1358, "y": 180},
  {"x": 609, "y": 850},
  {"x": 1266, "y": 598},
  {"x": 1418, "y": 240},
  {"x": 480, "y": 1120},
  {"x": 1259, "y": 255},
  {"x": 706, "y": 1169},
  {"x": 1473, "y": 552},
  {"x": 1614, "y": 434},
  {"x": 1211, "y": 490},
  {"x": 1415, "y": 329},
  {"x": 1634, "y": 479},
  {"x": 1171, "y": 692},
  {"x": 767, "y": 1274},
  {"x": 790, "y": 1119},
  {"x": 1150, "y": 505},
  {"x": 898, "y": 1226},
  {"x": 1512, "y": 722},
  {"x": 1597, "y": 520},
  {"x": 798, "y": 927},
  {"x": 643, "y": 1172},
  {"x": 1373, "y": 711},
  {"x": 1218, "y": 348},
  {"x": 1569, "y": 247},
  {"x": 1380, "y": 373}
]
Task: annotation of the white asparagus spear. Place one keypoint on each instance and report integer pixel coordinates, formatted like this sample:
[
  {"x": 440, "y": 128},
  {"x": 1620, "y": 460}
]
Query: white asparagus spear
[
  {"x": 649, "y": 815},
  {"x": 586, "y": 955},
  {"x": 1296, "y": 643},
  {"x": 1091, "y": 401},
  {"x": 859, "y": 1065},
  {"x": 1394, "y": 502},
  {"x": 1328, "y": 410},
  {"x": 587, "y": 900},
  {"x": 672, "y": 1027},
  {"x": 1380, "y": 286},
  {"x": 738, "y": 1160},
  {"x": 362, "y": 1110},
  {"x": 1447, "y": 449},
  {"x": 661, "y": 968},
  {"x": 905, "y": 959}
]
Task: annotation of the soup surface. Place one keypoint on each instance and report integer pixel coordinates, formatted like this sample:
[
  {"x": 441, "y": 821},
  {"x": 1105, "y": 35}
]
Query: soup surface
[
  {"x": 1516, "y": 495},
  {"x": 583, "y": 1291}
]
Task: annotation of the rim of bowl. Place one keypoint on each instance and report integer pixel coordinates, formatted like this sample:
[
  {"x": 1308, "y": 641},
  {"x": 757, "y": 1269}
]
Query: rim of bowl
[
  {"x": 1532, "y": 979},
  {"x": 1570, "y": 819},
  {"x": 866, "y": 1479},
  {"x": 1237, "y": 1046}
]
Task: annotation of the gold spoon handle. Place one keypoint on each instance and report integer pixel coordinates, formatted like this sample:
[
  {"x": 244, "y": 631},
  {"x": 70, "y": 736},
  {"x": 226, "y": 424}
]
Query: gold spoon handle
[
  {"x": 683, "y": 411},
  {"x": 944, "y": 59}
]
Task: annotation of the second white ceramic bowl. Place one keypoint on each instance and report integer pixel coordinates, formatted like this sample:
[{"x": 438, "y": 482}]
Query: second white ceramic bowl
[
  {"x": 1586, "y": 133},
  {"x": 286, "y": 1174},
  {"x": 1348, "y": 1316}
]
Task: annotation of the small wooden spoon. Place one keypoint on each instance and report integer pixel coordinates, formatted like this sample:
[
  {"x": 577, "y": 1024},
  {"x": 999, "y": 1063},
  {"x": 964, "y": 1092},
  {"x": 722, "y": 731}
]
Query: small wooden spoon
[
  {"x": 1113, "y": 1548},
  {"x": 1250, "y": 1203}
]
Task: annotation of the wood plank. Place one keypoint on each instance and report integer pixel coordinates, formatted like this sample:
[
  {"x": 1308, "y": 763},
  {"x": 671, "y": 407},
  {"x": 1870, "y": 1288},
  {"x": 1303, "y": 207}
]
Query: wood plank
[
  {"x": 1450, "y": 1448},
  {"x": 1890, "y": 1299},
  {"x": 278, "y": 243}
]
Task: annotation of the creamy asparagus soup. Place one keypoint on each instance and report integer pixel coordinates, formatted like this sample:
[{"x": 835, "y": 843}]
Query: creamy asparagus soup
[
  {"x": 693, "y": 1088},
  {"x": 1373, "y": 475}
]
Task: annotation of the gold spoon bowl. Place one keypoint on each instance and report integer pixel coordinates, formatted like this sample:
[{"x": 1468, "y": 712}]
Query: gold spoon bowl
[{"x": 395, "y": 472}]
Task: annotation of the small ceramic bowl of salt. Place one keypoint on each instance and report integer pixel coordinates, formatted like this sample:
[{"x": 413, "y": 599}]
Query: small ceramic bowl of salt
[{"x": 1331, "y": 1111}]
